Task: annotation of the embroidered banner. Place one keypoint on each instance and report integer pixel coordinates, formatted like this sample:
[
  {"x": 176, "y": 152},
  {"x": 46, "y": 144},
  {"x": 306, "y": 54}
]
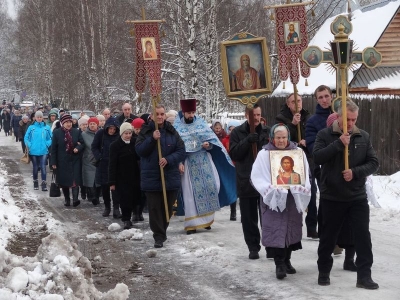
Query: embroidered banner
[
  {"x": 291, "y": 28},
  {"x": 148, "y": 57}
]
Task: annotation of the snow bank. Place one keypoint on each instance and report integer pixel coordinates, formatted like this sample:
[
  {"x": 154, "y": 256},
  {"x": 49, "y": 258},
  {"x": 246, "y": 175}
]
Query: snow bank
[{"x": 57, "y": 272}]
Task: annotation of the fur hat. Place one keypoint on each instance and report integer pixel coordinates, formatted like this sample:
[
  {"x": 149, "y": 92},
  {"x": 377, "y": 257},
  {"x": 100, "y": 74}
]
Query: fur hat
[
  {"x": 188, "y": 105},
  {"x": 93, "y": 120},
  {"x": 124, "y": 127},
  {"x": 65, "y": 118},
  {"x": 137, "y": 123}
]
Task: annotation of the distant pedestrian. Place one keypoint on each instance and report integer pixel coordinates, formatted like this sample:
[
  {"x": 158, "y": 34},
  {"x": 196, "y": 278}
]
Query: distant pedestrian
[
  {"x": 23, "y": 127},
  {"x": 15, "y": 124}
]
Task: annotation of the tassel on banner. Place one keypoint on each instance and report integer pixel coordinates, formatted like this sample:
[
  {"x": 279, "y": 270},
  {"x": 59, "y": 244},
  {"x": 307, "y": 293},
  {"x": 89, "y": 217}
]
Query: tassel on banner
[
  {"x": 272, "y": 17},
  {"x": 306, "y": 82},
  {"x": 284, "y": 86},
  {"x": 312, "y": 12},
  {"x": 140, "y": 98}
]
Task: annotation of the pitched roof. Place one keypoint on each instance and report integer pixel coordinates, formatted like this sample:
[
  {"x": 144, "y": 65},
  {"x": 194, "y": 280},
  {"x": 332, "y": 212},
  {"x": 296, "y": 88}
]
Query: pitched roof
[{"x": 366, "y": 33}]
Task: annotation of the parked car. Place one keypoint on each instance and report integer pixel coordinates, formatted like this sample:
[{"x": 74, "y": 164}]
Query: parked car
[{"x": 77, "y": 113}]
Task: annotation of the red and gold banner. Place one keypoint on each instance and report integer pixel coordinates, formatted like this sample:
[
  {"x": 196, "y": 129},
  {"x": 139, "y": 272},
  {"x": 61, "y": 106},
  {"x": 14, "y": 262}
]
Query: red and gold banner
[
  {"x": 291, "y": 31},
  {"x": 148, "y": 57}
]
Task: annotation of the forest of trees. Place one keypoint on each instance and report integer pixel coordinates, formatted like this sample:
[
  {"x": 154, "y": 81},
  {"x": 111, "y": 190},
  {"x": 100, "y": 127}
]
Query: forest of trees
[{"x": 79, "y": 53}]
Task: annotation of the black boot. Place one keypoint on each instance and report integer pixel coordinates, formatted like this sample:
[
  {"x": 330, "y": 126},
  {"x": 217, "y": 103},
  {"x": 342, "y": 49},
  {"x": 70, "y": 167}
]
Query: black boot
[
  {"x": 67, "y": 199},
  {"x": 367, "y": 283},
  {"x": 233, "y": 211},
  {"x": 323, "y": 279},
  {"x": 135, "y": 215},
  {"x": 107, "y": 211},
  {"x": 84, "y": 192},
  {"x": 75, "y": 194},
  {"x": 116, "y": 212},
  {"x": 289, "y": 267},
  {"x": 348, "y": 263},
  {"x": 44, "y": 186},
  {"x": 35, "y": 184},
  {"x": 280, "y": 267}
]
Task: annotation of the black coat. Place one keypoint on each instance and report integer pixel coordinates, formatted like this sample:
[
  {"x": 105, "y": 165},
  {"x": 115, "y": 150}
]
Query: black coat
[
  {"x": 124, "y": 171},
  {"x": 23, "y": 127},
  {"x": 6, "y": 119},
  {"x": 121, "y": 118},
  {"x": 69, "y": 166},
  {"x": 15, "y": 123},
  {"x": 242, "y": 154},
  {"x": 172, "y": 148},
  {"x": 101, "y": 150},
  {"x": 329, "y": 153}
]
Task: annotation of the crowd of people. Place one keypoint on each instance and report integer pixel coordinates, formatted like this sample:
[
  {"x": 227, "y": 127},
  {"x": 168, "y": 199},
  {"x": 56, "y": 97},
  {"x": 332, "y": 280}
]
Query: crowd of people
[{"x": 153, "y": 160}]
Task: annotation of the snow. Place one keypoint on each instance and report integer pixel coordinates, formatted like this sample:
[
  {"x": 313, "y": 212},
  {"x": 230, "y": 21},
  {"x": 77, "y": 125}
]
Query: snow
[
  {"x": 362, "y": 24},
  {"x": 114, "y": 227},
  {"x": 390, "y": 82}
]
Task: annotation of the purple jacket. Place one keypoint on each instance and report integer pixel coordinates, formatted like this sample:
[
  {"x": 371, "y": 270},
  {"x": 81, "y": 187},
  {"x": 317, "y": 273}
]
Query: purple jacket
[{"x": 281, "y": 229}]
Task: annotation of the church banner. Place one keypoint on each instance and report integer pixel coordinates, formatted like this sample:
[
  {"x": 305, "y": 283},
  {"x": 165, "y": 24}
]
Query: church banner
[
  {"x": 291, "y": 31},
  {"x": 148, "y": 57}
]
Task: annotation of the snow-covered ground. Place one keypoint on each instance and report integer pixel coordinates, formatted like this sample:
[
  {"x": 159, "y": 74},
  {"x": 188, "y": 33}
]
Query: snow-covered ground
[{"x": 215, "y": 261}]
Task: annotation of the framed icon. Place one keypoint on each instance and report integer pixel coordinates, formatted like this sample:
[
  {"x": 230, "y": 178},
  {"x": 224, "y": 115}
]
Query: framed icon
[
  {"x": 149, "y": 48},
  {"x": 287, "y": 168}
]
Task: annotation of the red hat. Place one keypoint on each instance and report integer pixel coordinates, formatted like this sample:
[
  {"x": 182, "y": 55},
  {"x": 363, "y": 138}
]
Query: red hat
[
  {"x": 93, "y": 120},
  {"x": 137, "y": 123},
  {"x": 332, "y": 118},
  {"x": 188, "y": 105}
]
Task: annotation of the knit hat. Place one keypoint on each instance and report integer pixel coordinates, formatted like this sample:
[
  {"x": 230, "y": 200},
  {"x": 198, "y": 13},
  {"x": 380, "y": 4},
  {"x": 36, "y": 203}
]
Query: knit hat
[
  {"x": 25, "y": 117},
  {"x": 124, "y": 127},
  {"x": 93, "y": 120},
  {"x": 65, "y": 118},
  {"x": 100, "y": 118},
  {"x": 137, "y": 123},
  {"x": 82, "y": 121},
  {"x": 38, "y": 114},
  {"x": 53, "y": 112},
  {"x": 332, "y": 118}
]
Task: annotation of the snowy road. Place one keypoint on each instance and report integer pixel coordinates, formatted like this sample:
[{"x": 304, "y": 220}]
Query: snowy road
[{"x": 208, "y": 265}]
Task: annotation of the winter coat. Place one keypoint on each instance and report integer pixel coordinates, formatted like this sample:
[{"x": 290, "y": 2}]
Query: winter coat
[
  {"x": 286, "y": 117},
  {"x": 124, "y": 172},
  {"x": 172, "y": 148},
  {"x": 69, "y": 166},
  {"x": 88, "y": 168},
  {"x": 314, "y": 124},
  {"x": 242, "y": 154},
  {"x": 38, "y": 138},
  {"x": 329, "y": 153},
  {"x": 121, "y": 118},
  {"x": 101, "y": 149},
  {"x": 15, "y": 123},
  {"x": 23, "y": 127},
  {"x": 6, "y": 119}
]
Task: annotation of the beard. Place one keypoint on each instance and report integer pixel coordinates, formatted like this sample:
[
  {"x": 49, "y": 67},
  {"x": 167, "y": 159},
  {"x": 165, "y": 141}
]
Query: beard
[{"x": 189, "y": 120}]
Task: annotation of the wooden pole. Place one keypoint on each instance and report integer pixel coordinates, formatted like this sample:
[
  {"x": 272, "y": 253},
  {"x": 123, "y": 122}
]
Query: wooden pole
[
  {"x": 252, "y": 130},
  {"x": 344, "y": 112},
  {"x": 143, "y": 13},
  {"x": 296, "y": 93},
  {"x": 154, "y": 102}
]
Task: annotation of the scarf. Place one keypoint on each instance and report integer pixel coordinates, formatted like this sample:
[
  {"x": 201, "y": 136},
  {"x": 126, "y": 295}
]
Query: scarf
[{"x": 69, "y": 146}]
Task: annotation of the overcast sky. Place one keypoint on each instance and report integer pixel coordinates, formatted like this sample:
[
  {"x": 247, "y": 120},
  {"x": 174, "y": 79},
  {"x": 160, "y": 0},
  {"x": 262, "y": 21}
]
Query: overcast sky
[{"x": 11, "y": 9}]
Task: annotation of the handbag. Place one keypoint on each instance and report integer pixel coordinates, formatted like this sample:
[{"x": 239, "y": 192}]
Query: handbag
[
  {"x": 54, "y": 187},
  {"x": 25, "y": 158}
]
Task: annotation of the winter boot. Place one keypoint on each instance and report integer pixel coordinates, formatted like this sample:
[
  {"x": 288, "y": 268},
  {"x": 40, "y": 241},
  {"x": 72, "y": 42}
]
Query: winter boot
[
  {"x": 67, "y": 199},
  {"x": 75, "y": 194},
  {"x": 116, "y": 212},
  {"x": 289, "y": 267},
  {"x": 107, "y": 210},
  {"x": 348, "y": 264},
  {"x": 233, "y": 211},
  {"x": 84, "y": 192},
  {"x": 280, "y": 267},
  {"x": 35, "y": 184},
  {"x": 44, "y": 186}
]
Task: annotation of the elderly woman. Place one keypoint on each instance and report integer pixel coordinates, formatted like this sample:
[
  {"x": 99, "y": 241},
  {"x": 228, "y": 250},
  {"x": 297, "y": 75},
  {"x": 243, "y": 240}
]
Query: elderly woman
[
  {"x": 281, "y": 208},
  {"x": 102, "y": 120},
  {"x": 88, "y": 160},
  {"x": 38, "y": 140},
  {"x": 66, "y": 159},
  {"x": 23, "y": 127},
  {"x": 124, "y": 172}
]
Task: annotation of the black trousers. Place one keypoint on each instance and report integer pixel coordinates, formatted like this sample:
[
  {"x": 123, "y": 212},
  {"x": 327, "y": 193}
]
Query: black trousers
[
  {"x": 334, "y": 214},
  {"x": 249, "y": 212},
  {"x": 312, "y": 212},
  {"x": 157, "y": 219},
  {"x": 105, "y": 190}
]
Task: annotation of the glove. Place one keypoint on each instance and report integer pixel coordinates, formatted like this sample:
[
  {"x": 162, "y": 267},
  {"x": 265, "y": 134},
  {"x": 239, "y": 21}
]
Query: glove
[{"x": 252, "y": 137}]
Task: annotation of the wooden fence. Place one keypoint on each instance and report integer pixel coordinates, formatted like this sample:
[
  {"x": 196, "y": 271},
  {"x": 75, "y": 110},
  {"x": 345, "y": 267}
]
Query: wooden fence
[{"x": 379, "y": 117}]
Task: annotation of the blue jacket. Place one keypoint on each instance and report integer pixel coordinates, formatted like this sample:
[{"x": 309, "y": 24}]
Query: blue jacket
[
  {"x": 38, "y": 138},
  {"x": 172, "y": 148},
  {"x": 314, "y": 124}
]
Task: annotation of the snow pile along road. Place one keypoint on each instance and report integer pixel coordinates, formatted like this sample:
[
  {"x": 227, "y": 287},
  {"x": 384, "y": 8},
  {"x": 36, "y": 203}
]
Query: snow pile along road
[{"x": 57, "y": 272}]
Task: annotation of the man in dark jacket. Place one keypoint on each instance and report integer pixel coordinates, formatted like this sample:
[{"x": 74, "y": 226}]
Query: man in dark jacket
[
  {"x": 126, "y": 114},
  {"x": 343, "y": 193},
  {"x": 240, "y": 150},
  {"x": 315, "y": 124},
  {"x": 173, "y": 152},
  {"x": 290, "y": 117}
]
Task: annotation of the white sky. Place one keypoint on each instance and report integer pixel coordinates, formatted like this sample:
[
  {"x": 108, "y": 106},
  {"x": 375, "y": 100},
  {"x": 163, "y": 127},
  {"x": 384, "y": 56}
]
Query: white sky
[{"x": 11, "y": 9}]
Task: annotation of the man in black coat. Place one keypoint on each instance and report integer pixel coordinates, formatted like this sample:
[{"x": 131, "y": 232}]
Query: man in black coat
[
  {"x": 126, "y": 114},
  {"x": 343, "y": 193},
  {"x": 240, "y": 150}
]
